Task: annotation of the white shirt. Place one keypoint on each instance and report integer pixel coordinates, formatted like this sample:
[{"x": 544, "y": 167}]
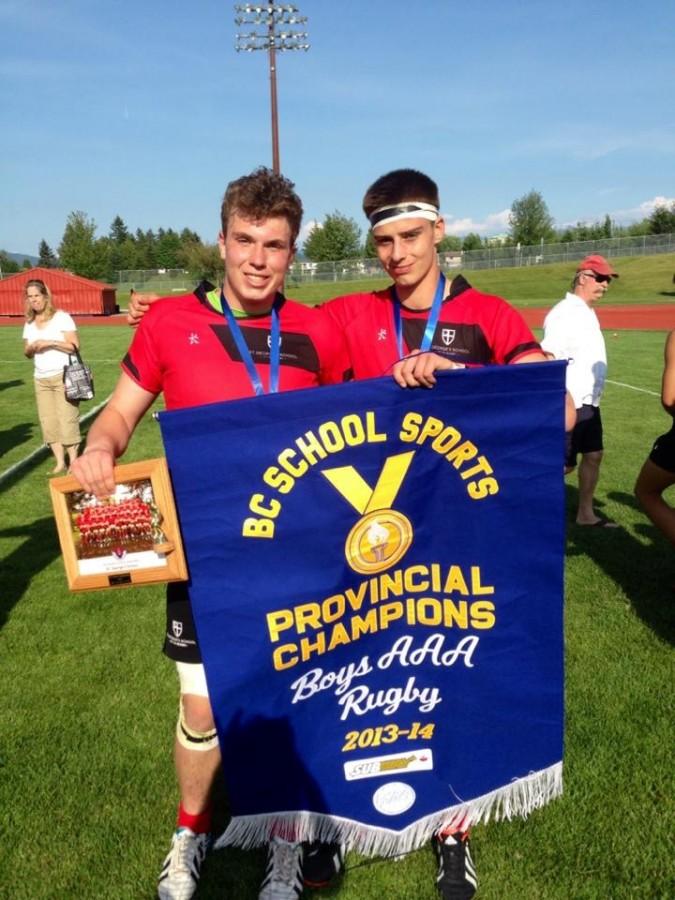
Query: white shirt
[
  {"x": 50, "y": 362},
  {"x": 572, "y": 332}
]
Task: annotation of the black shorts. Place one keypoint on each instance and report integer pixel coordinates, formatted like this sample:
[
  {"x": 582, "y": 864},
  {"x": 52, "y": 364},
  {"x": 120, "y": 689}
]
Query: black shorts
[
  {"x": 587, "y": 434},
  {"x": 180, "y": 641},
  {"x": 663, "y": 451}
]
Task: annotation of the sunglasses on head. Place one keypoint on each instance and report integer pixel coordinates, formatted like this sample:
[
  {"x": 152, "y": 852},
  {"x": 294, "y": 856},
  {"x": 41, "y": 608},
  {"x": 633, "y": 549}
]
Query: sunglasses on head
[{"x": 601, "y": 279}]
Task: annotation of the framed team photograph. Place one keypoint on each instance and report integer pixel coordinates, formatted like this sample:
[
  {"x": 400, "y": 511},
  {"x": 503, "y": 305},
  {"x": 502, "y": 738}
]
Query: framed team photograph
[{"x": 129, "y": 538}]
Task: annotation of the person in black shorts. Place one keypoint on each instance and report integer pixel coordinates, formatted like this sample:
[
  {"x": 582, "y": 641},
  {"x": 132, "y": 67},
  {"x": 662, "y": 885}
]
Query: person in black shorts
[
  {"x": 658, "y": 472},
  {"x": 572, "y": 332},
  {"x": 586, "y": 436},
  {"x": 206, "y": 346}
]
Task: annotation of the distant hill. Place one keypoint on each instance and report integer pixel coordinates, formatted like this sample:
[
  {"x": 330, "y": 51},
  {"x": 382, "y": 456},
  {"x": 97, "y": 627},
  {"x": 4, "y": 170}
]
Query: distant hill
[{"x": 19, "y": 257}]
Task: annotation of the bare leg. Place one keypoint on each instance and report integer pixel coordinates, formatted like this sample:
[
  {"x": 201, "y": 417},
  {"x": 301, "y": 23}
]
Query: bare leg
[
  {"x": 195, "y": 769},
  {"x": 57, "y": 450},
  {"x": 589, "y": 473},
  {"x": 649, "y": 487},
  {"x": 72, "y": 452}
]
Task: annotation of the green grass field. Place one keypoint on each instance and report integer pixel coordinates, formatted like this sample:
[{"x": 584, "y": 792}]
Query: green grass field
[{"x": 87, "y": 794}]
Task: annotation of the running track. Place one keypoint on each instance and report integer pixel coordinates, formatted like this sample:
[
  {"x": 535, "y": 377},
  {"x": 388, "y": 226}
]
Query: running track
[{"x": 659, "y": 317}]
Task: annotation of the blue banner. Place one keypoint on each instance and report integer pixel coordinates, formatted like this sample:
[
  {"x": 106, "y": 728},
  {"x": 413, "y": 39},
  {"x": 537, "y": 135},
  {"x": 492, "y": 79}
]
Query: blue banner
[{"x": 377, "y": 583}]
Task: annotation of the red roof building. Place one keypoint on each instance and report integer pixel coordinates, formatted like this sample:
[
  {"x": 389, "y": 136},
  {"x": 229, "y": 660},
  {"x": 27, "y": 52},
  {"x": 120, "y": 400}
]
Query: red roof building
[{"x": 71, "y": 293}]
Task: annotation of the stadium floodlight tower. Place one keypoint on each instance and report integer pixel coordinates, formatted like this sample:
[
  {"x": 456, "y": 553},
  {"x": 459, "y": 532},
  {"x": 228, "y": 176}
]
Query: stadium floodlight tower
[{"x": 271, "y": 17}]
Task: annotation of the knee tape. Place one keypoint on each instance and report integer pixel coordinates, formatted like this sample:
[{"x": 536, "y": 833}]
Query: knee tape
[{"x": 201, "y": 741}]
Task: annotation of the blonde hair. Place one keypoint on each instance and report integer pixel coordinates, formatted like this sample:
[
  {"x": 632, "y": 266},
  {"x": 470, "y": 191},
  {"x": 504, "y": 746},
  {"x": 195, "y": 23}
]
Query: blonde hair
[{"x": 44, "y": 290}]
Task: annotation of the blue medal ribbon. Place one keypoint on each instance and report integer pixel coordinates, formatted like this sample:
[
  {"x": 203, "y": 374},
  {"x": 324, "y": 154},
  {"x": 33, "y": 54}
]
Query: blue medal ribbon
[
  {"x": 432, "y": 319},
  {"x": 245, "y": 353}
]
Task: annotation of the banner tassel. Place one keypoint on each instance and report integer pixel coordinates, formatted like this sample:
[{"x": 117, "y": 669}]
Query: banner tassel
[{"x": 519, "y": 798}]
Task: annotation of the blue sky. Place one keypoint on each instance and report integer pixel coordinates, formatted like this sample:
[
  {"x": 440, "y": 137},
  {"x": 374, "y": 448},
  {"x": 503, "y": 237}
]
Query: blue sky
[{"x": 144, "y": 109}]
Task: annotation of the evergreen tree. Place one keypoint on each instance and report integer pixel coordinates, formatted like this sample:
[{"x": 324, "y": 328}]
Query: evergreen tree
[
  {"x": 119, "y": 232},
  {"x": 187, "y": 236},
  {"x": 146, "y": 244},
  {"x": 168, "y": 245},
  {"x": 47, "y": 257},
  {"x": 123, "y": 257}
]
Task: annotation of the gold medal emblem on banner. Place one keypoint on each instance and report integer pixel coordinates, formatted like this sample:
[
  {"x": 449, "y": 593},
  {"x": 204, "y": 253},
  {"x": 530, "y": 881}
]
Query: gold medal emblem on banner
[{"x": 382, "y": 536}]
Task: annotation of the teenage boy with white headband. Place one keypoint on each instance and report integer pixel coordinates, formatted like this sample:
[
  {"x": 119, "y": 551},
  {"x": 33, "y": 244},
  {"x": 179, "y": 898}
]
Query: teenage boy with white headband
[{"x": 422, "y": 323}]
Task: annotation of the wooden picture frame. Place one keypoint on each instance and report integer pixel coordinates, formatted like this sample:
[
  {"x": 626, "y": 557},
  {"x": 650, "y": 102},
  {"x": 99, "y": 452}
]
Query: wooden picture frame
[{"x": 130, "y": 539}]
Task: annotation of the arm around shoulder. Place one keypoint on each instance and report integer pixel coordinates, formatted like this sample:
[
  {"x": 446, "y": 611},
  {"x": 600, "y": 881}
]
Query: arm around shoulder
[{"x": 139, "y": 304}]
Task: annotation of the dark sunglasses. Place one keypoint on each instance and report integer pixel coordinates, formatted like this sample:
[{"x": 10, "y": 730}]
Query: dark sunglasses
[{"x": 601, "y": 279}]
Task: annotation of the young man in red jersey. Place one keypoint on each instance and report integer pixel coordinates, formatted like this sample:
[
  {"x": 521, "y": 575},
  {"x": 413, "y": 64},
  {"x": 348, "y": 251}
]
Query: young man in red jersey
[
  {"x": 401, "y": 330},
  {"x": 199, "y": 348},
  {"x": 470, "y": 328},
  {"x": 419, "y": 325}
]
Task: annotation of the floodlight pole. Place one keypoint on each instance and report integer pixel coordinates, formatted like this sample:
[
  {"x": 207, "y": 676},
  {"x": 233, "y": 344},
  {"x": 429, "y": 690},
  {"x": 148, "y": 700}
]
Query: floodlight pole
[
  {"x": 270, "y": 14},
  {"x": 272, "y": 64}
]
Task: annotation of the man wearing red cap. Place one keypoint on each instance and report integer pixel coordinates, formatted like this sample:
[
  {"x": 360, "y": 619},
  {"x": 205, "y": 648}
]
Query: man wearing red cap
[{"x": 572, "y": 332}]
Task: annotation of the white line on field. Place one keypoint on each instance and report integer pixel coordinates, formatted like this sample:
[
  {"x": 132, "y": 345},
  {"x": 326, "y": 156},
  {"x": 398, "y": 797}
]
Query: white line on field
[
  {"x": 115, "y": 360},
  {"x": 633, "y": 388},
  {"x": 43, "y": 448}
]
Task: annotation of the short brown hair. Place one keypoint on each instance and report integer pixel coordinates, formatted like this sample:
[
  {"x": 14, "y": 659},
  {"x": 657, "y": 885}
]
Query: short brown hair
[
  {"x": 400, "y": 186},
  {"x": 44, "y": 290},
  {"x": 262, "y": 195}
]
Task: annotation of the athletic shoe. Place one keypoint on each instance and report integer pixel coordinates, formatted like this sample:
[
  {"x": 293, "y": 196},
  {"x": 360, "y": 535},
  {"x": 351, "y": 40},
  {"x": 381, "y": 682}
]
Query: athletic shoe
[
  {"x": 456, "y": 879},
  {"x": 283, "y": 876},
  {"x": 321, "y": 863},
  {"x": 180, "y": 872}
]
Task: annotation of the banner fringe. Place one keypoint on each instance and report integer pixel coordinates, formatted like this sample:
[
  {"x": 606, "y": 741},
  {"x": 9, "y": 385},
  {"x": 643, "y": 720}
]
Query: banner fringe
[{"x": 519, "y": 798}]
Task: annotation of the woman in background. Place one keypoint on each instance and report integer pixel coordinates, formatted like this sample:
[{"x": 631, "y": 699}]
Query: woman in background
[
  {"x": 658, "y": 472},
  {"x": 49, "y": 335}
]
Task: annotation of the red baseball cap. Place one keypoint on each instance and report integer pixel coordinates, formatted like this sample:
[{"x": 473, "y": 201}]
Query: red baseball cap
[{"x": 597, "y": 264}]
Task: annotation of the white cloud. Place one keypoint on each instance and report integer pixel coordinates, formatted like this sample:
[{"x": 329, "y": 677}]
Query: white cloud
[
  {"x": 625, "y": 216},
  {"x": 493, "y": 223},
  {"x": 641, "y": 211}
]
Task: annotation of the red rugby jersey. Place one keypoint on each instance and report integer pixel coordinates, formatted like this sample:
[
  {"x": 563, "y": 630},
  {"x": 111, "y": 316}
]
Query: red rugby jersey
[
  {"x": 473, "y": 328},
  {"x": 183, "y": 348}
]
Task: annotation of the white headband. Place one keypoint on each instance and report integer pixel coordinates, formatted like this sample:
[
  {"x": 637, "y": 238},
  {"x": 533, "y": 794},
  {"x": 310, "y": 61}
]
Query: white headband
[{"x": 416, "y": 209}]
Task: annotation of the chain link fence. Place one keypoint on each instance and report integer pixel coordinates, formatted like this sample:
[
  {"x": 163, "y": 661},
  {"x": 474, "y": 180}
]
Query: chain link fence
[
  {"x": 160, "y": 281},
  {"x": 169, "y": 281},
  {"x": 541, "y": 254}
]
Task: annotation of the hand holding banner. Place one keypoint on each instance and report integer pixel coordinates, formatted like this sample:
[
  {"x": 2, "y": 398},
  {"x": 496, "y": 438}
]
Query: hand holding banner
[{"x": 376, "y": 579}]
